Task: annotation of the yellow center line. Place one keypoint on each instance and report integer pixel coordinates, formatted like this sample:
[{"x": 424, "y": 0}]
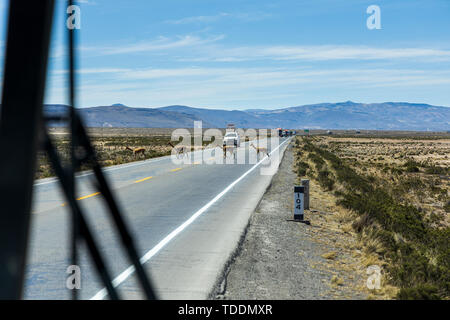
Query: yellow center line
[
  {"x": 177, "y": 169},
  {"x": 142, "y": 180},
  {"x": 85, "y": 197},
  {"x": 89, "y": 196}
]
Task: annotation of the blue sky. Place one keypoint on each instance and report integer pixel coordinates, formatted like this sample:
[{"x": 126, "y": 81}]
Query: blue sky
[{"x": 239, "y": 54}]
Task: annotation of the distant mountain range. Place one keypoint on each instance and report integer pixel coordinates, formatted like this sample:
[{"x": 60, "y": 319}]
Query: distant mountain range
[{"x": 344, "y": 115}]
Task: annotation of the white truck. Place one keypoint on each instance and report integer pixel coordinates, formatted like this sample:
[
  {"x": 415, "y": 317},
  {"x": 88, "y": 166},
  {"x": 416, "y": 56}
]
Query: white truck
[{"x": 232, "y": 139}]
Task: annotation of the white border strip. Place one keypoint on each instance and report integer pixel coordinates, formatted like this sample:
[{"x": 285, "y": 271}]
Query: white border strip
[{"x": 130, "y": 270}]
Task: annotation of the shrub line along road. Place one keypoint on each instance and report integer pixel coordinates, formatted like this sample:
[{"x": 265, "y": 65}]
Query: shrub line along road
[{"x": 186, "y": 219}]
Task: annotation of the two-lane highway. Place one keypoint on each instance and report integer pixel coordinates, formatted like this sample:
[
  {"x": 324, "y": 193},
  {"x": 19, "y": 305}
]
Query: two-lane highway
[{"x": 187, "y": 220}]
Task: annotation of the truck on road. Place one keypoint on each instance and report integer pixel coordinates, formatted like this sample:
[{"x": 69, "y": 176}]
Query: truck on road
[{"x": 232, "y": 139}]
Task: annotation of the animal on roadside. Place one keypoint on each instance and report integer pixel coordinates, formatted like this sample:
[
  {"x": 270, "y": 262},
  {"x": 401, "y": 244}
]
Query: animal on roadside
[
  {"x": 136, "y": 151},
  {"x": 261, "y": 150},
  {"x": 229, "y": 150},
  {"x": 197, "y": 148},
  {"x": 180, "y": 151}
]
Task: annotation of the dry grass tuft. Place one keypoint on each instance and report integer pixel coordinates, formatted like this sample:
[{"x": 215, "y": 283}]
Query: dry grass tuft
[
  {"x": 337, "y": 281},
  {"x": 330, "y": 255}
]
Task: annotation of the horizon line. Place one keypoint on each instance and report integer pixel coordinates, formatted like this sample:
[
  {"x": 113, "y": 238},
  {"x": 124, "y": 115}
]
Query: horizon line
[{"x": 252, "y": 108}]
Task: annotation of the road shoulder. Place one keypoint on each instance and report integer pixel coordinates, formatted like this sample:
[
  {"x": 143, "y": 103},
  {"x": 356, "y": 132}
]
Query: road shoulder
[{"x": 278, "y": 259}]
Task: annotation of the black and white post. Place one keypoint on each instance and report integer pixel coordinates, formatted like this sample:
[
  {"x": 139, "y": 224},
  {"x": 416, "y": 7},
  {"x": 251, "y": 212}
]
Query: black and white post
[{"x": 299, "y": 198}]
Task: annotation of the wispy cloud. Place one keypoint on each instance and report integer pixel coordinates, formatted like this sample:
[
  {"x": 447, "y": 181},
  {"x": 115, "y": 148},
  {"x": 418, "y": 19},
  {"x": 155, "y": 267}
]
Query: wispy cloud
[
  {"x": 315, "y": 53},
  {"x": 182, "y": 85},
  {"x": 259, "y": 86},
  {"x": 89, "y": 2},
  {"x": 255, "y": 16},
  {"x": 160, "y": 44},
  {"x": 211, "y": 49},
  {"x": 93, "y": 71},
  {"x": 198, "y": 19}
]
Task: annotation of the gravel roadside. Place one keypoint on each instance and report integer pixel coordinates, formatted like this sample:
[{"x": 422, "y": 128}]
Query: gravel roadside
[{"x": 278, "y": 259}]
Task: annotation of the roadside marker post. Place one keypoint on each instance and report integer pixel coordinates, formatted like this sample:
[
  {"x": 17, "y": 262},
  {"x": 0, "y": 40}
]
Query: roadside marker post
[{"x": 299, "y": 202}]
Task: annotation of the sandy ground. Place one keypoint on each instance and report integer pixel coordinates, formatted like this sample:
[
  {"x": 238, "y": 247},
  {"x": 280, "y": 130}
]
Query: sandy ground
[{"x": 279, "y": 259}]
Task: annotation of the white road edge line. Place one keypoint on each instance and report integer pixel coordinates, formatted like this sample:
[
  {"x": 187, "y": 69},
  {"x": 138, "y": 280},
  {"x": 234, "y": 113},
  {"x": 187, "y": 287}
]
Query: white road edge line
[{"x": 125, "y": 274}]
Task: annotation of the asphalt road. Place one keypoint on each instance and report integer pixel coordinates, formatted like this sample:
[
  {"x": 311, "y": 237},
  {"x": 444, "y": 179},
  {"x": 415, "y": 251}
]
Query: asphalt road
[{"x": 186, "y": 218}]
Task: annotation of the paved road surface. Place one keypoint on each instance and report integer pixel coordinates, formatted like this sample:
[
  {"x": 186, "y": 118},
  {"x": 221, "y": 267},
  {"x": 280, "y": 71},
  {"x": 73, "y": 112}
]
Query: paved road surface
[{"x": 186, "y": 218}]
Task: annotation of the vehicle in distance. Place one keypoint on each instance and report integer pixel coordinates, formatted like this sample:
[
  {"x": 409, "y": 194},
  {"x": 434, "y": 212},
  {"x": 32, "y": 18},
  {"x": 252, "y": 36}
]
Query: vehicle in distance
[
  {"x": 232, "y": 138},
  {"x": 284, "y": 133},
  {"x": 280, "y": 132}
]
